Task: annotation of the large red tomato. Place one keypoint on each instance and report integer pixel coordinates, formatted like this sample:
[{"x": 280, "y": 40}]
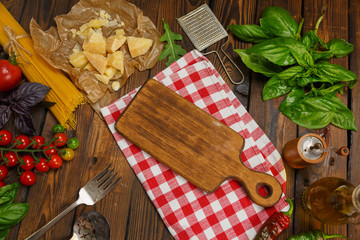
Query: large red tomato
[{"x": 10, "y": 75}]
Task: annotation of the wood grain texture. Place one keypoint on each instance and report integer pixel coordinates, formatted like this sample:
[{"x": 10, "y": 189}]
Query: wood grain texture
[
  {"x": 333, "y": 25},
  {"x": 233, "y": 12},
  {"x": 276, "y": 126},
  {"x": 191, "y": 142},
  {"x": 354, "y": 97}
]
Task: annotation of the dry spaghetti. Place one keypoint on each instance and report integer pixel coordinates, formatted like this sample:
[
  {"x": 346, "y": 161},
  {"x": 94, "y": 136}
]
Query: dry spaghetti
[{"x": 63, "y": 92}]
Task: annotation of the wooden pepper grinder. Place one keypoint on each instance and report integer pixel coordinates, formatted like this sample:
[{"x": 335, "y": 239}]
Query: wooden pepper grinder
[{"x": 309, "y": 149}]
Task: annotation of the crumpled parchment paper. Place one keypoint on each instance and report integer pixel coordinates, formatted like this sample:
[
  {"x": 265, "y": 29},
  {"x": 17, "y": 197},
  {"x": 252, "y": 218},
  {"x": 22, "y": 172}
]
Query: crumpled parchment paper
[{"x": 56, "y": 44}]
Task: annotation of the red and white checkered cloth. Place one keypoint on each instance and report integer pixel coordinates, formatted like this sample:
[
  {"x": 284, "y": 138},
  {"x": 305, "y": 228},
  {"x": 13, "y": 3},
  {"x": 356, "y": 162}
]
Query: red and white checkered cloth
[{"x": 188, "y": 212}]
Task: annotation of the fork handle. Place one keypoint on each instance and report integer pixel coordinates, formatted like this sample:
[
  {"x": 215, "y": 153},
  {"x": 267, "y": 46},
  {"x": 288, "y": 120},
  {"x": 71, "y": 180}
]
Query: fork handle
[{"x": 46, "y": 227}]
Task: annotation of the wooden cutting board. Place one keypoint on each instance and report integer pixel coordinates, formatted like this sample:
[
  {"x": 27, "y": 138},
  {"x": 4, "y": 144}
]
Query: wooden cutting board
[{"x": 191, "y": 142}]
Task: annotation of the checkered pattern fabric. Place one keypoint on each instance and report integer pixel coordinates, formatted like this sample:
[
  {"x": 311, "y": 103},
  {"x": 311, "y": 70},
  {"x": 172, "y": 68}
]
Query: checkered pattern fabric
[{"x": 188, "y": 212}]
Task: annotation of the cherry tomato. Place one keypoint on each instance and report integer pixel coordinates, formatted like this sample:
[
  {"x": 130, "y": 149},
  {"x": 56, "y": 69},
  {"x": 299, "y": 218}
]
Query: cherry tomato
[
  {"x": 58, "y": 128},
  {"x": 50, "y": 149},
  {"x": 37, "y": 141},
  {"x": 28, "y": 178},
  {"x": 2, "y": 184},
  {"x": 29, "y": 162},
  {"x": 10, "y": 75},
  {"x": 3, "y": 172},
  {"x": 12, "y": 159},
  {"x": 73, "y": 143},
  {"x": 42, "y": 166},
  {"x": 5, "y": 137},
  {"x": 68, "y": 154},
  {"x": 55, "y": 161},
  {"x": 22, "y": 142},
  {"x": 61, "y": 139}
]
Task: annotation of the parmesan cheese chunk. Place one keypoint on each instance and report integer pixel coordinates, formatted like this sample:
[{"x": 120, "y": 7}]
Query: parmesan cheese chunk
[
  {"x": 120, "y": 31},
  {"x": 97, "y": 23},
  {"x": 138, "y": 46},
  {"x": 102, "y": 78},
  {"x": 84, "y": 27},
  {"x": 113, "y": 43},
  {"x": 89, "y": 67},
  {"x": 110, "y": 72},
  {"x": 78, "y": 59},
  {"x": 116, "y": 60},
  {"x": 95, "y": 43},
  {"x": 97, "y": 60},
  {"x": 115, "y": 86},
  {"x": 118, "y": 74}
]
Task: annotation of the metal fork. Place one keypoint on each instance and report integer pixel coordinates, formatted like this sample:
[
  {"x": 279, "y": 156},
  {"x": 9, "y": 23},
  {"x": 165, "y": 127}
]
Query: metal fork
[{"x": 92, "y": 192}]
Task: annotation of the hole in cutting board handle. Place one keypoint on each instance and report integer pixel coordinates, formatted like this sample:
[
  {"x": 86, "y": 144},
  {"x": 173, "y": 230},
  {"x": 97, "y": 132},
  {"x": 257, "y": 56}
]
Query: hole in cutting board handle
[{"x": 264, "y": 190}]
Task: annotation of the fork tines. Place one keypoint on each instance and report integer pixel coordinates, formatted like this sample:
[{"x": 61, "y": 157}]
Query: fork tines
[{"x": 105, "y": 179}]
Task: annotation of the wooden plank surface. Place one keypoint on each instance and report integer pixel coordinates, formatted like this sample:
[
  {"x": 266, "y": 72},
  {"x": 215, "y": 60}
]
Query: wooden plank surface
[
  {"x": 354, "y": 98},
  {"x": 276, "y": 126},
  {"x": 133, "y": 215}
]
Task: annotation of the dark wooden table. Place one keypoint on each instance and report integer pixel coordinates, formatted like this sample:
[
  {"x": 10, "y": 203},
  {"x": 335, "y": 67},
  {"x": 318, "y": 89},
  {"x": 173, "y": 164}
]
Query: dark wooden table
[{"x": 129, "y": 211}]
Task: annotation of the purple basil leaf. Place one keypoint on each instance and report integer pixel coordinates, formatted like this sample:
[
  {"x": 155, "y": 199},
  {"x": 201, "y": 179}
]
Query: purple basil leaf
[
  {"x": 28, "y": 94},
  {"x": 4, "y": 101},
  {"x": 20, "y": 108},
  {"x": 24, "y": 124},
  {"x": 5, "y": 113}
]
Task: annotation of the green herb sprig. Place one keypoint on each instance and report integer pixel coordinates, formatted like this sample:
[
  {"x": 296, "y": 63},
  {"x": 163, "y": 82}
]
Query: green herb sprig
[
  {"x": 298, "y": 67},
  {"x": 10, "y": 213},
  {"x": 172, "y": 50}
]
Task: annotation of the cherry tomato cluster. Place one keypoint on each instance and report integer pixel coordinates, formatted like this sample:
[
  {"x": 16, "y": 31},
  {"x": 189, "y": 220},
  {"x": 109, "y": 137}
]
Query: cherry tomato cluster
[{"x": 35, "y": 153}]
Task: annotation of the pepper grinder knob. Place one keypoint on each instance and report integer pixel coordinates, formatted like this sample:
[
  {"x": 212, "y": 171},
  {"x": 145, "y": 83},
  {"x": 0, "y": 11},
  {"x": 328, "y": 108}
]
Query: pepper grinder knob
[{"x": 343, "y": 151}]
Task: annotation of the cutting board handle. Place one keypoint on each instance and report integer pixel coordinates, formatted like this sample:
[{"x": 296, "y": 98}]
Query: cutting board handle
[{"x": 252, "y": 181}]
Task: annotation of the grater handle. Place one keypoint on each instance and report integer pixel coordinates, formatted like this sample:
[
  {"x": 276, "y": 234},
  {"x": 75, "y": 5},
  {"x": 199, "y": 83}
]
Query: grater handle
[
  {"x": 236, "y": 66},
  {"x": 222, "y": 63}
]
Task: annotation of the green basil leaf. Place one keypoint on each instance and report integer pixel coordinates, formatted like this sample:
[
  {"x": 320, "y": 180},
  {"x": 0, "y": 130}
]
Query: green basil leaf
[
  {"x": 8, "y": 193},
  {"x": 250, "y": 33},
  {"x": 330, "y": 91},
  {"x": 302, "y": 56},
  {"x": 291, "y": 73},
  {"x": 294, "y": 96},
  {"x": 275, "y": 88},
  {"x": 352, "y": 83},
  {"x": 311, "y": 41},
  {"x": 258, "y": 63},
  {"x": 4, "y": 233},
  {"x": 343, "y": 118},
  {"x": 279, "y": 22},
  {"x": 278, "y": 84},
  {"x": 337, "y": 48},
  {"x": 305, "y": 80},
  {"x": 318, "y": 112},
  {"x": 335, "y": 73},
  {"x": 277, "y": 50},
  {"x": 321, "y": 55},
  {"x": 340, "y": 47},
  {"x": 11, "y": 214},
  {"x": 307, "y": 40}
]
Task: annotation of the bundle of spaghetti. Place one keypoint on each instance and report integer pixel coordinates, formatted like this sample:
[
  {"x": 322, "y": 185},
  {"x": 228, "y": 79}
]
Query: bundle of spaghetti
[{"x": 63, "y": 92}]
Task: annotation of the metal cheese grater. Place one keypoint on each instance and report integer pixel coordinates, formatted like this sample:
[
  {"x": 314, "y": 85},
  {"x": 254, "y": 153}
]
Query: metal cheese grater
[{"x": 203, "y": 30}]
